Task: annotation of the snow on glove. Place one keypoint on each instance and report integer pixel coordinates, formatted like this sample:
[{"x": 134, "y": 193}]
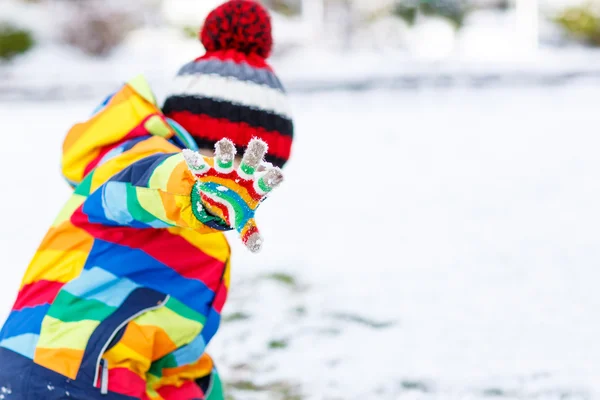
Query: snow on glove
[{"x": 232, "y": 194}]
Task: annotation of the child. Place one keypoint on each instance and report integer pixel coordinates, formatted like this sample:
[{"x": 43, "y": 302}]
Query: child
[{"x": 127, "y": 287}]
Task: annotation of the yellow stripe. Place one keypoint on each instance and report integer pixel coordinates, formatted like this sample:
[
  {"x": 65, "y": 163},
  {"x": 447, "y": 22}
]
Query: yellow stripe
[
  {"x": 180, "y": 330},
  {"x": 57, "y": 334},
  {"x": 227, "y": 273},
  {"x": 240, "y": 190},
  {"x": 160, "y": 176},
  {"x": 139, "y": 151},
  {"x": 151, "y": 201},
  {"x": 112, "y": 125},
  {"x": 55, "y": 265},
  {"x": 151, "y": 381},
  {"x": 151, "y": 393},
  {"x": 249, "y": 225},
  {"x": 176, "y": 376},
  {"x": 72, "y": 204},
  {"x": 183, "y": 203},
  {"x": 217, "y": 211},
  {"x": 107, "y": 170},
  {"x": 214, "y": 245},
  {"x": 158, "y": 126},
  {"x": 121, "y": 356}
]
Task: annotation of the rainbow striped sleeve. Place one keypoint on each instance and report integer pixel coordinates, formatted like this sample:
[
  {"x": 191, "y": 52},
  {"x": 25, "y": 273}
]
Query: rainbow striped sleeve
[{"x": 152, "y": 192}]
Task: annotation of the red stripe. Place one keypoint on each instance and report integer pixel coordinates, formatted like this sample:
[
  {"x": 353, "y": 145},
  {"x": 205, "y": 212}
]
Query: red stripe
[
  {"x": 124, "y": 381},
  {"x": 37, "y": 293},
  {"x": 249, "y": 232},
  {"x": 188, "y": 391},
  {"x": 246, "y": 184},
  {"x": 237, "y": 57},
  {"x": 217, "y": 205},
  {"x": 171, "y": 250},
  {"x": 205, "y": 127},
  {"x": 220, "y": 298}
]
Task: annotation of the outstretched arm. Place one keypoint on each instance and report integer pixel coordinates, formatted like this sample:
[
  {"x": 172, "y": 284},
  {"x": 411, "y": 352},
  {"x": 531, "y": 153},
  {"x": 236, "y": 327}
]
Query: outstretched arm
[
  {"x": 188, "y": 190},
  {"x": 152, "y": 192}
]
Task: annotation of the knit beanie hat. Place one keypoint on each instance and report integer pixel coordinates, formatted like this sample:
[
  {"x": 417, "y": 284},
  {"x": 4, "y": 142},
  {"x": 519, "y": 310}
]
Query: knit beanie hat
[{"x": 231, "y": 91}]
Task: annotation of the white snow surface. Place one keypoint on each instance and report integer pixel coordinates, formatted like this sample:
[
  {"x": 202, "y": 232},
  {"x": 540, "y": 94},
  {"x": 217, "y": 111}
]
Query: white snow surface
[{"x": 439, "y": 245}]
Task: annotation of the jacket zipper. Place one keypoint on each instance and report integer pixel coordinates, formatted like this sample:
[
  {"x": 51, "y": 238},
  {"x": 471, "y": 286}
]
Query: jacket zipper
[
  {"x": 102, "y": 364},
  {"x": 104, "y": 377}
]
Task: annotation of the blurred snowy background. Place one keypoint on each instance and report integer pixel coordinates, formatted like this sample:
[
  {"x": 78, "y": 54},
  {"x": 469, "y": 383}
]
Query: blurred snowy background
[
  {"x": 54, "y": 49},
  {"x": 470, "y": 269}
]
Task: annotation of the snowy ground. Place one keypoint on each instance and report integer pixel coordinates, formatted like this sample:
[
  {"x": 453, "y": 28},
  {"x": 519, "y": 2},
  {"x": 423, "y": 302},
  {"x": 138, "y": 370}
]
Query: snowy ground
[{"x": 445, "y": 247}]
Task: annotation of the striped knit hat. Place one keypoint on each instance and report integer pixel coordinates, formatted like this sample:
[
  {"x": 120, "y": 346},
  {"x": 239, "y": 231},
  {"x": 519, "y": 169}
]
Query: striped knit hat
[{"x": 231, "y": 91}]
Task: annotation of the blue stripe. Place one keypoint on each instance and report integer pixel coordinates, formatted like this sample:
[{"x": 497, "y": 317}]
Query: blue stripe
[
  {"x": 27, "y": 320},
  {"x": 98, "y": 284},
  {"x": 140, "y": 172},
  {"x": 241, "y": 71},
  {"x": 182, "y": 138},
  {"x": 213, "y": 320},
  {"x": 121, "y": 149},
  {"x": 94, "y": 208},
  {"x": 23, "y": 344},
  {"x": 158, "y": 224},
  {"x": 128, "y": 145},
  {"x": 114, "y": 205},
  {"x": 71, "y": 183},
  {"x": 146, "y": 271},
  {"x": 104, "y": 103},
  {"x": 113, "y": 153},
  {"x": 191, "y": 352},
  {"x": 241, "y": 220},
  {"x": 114, "y": 202}
]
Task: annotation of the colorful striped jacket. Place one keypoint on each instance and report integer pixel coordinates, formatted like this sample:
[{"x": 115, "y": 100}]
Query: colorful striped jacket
[{"x": 127, "y": 287}]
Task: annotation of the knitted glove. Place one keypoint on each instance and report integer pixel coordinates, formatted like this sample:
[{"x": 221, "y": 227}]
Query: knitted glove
[{"x": 231, "y": 194}]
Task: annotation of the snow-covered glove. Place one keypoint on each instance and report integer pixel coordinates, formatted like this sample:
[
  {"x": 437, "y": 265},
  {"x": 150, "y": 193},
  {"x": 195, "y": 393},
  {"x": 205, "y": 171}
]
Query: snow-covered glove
[{"x": 232, "y": 194}]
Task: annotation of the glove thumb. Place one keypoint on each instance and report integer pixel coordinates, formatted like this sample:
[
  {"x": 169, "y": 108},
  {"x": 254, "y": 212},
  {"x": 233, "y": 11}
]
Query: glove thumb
[{"x": 251, "y": 237}]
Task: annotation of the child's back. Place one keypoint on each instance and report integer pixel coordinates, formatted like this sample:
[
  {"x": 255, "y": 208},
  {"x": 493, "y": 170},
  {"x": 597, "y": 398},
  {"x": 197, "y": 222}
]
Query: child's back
[{"x": 108, "y": 298}]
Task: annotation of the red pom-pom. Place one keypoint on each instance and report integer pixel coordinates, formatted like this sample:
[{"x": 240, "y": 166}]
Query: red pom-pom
[{"x": 242, "y": 25}]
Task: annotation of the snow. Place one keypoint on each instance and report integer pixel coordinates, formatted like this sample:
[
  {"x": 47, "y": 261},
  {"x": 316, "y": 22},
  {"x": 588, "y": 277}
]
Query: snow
[
  {"x": 461, "y": 263},
  {"x": 188, "y": 12}
]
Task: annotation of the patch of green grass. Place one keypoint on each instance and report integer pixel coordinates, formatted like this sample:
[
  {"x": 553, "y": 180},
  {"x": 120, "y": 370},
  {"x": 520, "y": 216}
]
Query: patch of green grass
[
  {"x": 280, "y": 389},
  {"x": 582, "y": 22},
  {"x": 236, "y": 316},
  {"x": 350, "y": 317},
  {"x": 494, "y": 392},
  {"x": 191, "y": 32},
  {"x": 329, "y": 331},
  {"x": 14, "y": 41},
  {"x": 285, "y": 390},
  {"x": 247, "y": 386},
  {"x": 300, "y": 311},
  {"x": 415, "y": 385},
  {"x": 241, "y": 367},
  {"x": 278, "y": 344},
  {"x": 282, "y": 278}
]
